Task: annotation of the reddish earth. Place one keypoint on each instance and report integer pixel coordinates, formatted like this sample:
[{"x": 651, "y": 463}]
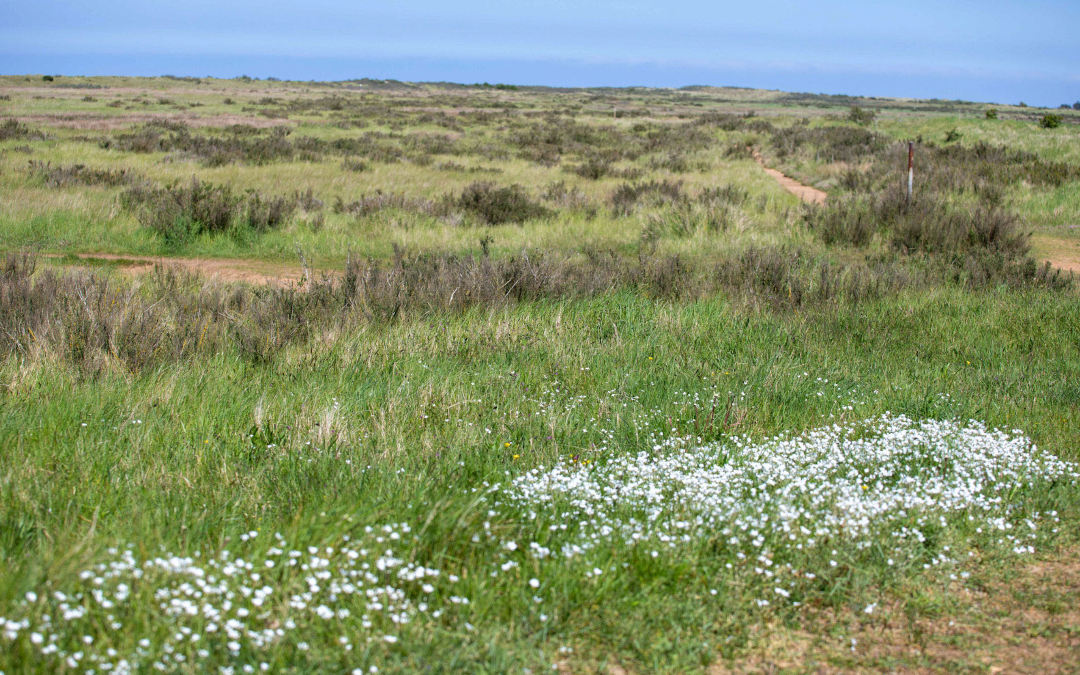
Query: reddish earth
[
  {"x": 1062, "y": 253},
  {"x": 803, "y": 192},
  {"x": 223, "y": 269},
  {"x": 1028, "y": 622},
  {"x": 96, "y": 121}
]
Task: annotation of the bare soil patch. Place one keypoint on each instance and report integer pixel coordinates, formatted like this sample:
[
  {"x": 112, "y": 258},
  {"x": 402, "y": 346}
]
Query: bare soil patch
[
  {"x": 99, "y": 122},
  {"x": 222, "y": 269},
  {"x": 803, "y": 192},
  {"x": 1023, "y": 623},
  {"x": 1064, "y": 254}
]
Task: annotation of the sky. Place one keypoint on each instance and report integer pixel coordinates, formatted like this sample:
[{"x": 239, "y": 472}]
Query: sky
[{"x": 1001, "y": 51}]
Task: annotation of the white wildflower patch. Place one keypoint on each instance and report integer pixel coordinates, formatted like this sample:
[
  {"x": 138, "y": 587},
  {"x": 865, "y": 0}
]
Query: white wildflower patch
[
  {"x": 888, "y": 476},
  {"x": 354, "y": 591},
  {"x": 769, "y": 510}
]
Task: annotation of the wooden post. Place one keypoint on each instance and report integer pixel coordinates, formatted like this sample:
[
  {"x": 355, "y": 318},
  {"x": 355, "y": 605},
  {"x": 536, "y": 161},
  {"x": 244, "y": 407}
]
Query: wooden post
[{"x": 910, "y": 167}]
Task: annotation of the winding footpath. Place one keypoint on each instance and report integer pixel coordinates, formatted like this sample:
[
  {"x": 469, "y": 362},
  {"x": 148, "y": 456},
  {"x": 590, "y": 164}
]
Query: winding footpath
[{"x": 803, "y": 192}]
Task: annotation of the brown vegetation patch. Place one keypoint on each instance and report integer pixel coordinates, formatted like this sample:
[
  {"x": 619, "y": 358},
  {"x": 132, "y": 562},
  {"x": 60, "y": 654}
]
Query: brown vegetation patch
[
  {"x": 98, "y": 122},
  {"x": 220, "y": 269},
  {"x": 1027, "y": 623}
]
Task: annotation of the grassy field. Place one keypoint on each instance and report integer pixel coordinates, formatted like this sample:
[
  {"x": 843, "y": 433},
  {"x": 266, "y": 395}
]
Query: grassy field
[{"x": 581, "y": 389}]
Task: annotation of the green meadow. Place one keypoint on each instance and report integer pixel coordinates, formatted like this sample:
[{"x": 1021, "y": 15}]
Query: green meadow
[{"x": 552, "y": 381}]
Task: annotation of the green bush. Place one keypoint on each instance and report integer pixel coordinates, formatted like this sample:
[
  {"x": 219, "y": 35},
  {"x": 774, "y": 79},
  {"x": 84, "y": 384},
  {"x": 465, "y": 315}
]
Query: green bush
[
  {"x": 498, "y": 205},
  {"x": 179, "y": 212},
  {"x": 1049, "y": 121},
  {"x": 861, "y": 116},
  {"x": 992, "y": 114}
]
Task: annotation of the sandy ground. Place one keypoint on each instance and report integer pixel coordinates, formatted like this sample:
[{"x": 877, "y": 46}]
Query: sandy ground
[
  {"x": 1064, "y": 254},
  {"x": 99, "y": 122},
  {"x": 803, "y": 192},
  {"x": 222, "y": 269}
]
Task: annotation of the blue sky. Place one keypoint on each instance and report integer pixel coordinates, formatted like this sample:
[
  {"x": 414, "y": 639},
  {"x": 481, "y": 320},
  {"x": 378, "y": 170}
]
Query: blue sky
[{"x": 990, "y": 50}]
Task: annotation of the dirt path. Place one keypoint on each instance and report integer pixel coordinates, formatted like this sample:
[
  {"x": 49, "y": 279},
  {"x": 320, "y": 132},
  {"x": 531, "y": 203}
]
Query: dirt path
[
  {"x": 1062, "y": 253},
  {"x": 803, "y": 192},
  {"x": 223, "y": 269},
  {"x": 1026, "y": 623},
  {"x": 105, "y": 122}
]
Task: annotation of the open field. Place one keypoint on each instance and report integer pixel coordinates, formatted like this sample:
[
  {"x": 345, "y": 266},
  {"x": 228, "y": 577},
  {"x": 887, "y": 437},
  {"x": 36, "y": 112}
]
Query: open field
[{"x": 453, "y": 378}]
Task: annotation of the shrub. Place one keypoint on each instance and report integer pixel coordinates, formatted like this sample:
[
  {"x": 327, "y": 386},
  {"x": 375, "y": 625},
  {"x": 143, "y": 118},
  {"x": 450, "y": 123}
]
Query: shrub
[
  {"x": 626, "y": 196},
  {"x": 953, "y": 135},
  {"x": 262, "y": 214},
  {"x": 737, "y": 150},
  {"x": 991, "y": 114},
  {"x": 498, "y": 205},
  {"x": 47, "y": 78},
  {"x": 567, "y": 197},
  {"x": 861, "y": 116},
  {"x": 11, "y": 129},
  {"x": 594, "y": 168},
  {"x": 675, "y": 162},
  {"x": 848, "y": 221},
  {"x": 350, "y": 164},
  {"x": 79, "y": 174},
  {"x": 838, "y": 144},
  {"x": 369, "y": 204},
  {"x": 1049, "y": 121},
  {"x": 686, "y": 220},
  {"x": 178, "y": 212}
]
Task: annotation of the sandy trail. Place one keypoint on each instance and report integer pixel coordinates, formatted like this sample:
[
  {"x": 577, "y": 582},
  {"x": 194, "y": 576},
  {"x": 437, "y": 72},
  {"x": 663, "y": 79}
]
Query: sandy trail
[
  {"x": 222, "y": 269},
  {"x": 103, "y": 122},
  {"x": 1062, "y": 253},
  {"x": 803, "y": 192}
]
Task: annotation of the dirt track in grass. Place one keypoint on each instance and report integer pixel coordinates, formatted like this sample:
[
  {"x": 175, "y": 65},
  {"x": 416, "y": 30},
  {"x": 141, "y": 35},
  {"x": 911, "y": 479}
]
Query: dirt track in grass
[
  {"x": 1027, "y": 621},
  {"x": 222, "y": 269},
  {"x": 803, "y": 192}
]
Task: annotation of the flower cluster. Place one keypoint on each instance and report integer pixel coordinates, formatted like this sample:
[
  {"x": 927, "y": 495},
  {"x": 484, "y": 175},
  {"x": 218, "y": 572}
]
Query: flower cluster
[
  {"x": 888, "y": 476},
  {"x": 228, "y": 608}
]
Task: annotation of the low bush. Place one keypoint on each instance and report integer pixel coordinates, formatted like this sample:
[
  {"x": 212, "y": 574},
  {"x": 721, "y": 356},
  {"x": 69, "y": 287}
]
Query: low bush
[
  {"x": 79, "y": 174},
  {"x": 498, "y": 205},
  {"x": 380, "y": 201},
  {"x": 12, "y": 129},
  {"x": 179, "y": 212},
  {"x": 861, "y": 116},
  {"x": 924, "y": 224},
  {"x": 350, "y": 164},
  {"x": 685, "y": 220},
  {"x": 627, "y": 196},
  {"x": 1049, "y": 121}
]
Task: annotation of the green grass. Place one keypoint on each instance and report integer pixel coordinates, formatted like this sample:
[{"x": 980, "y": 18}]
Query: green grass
[{"x": 164, "y": 461}]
